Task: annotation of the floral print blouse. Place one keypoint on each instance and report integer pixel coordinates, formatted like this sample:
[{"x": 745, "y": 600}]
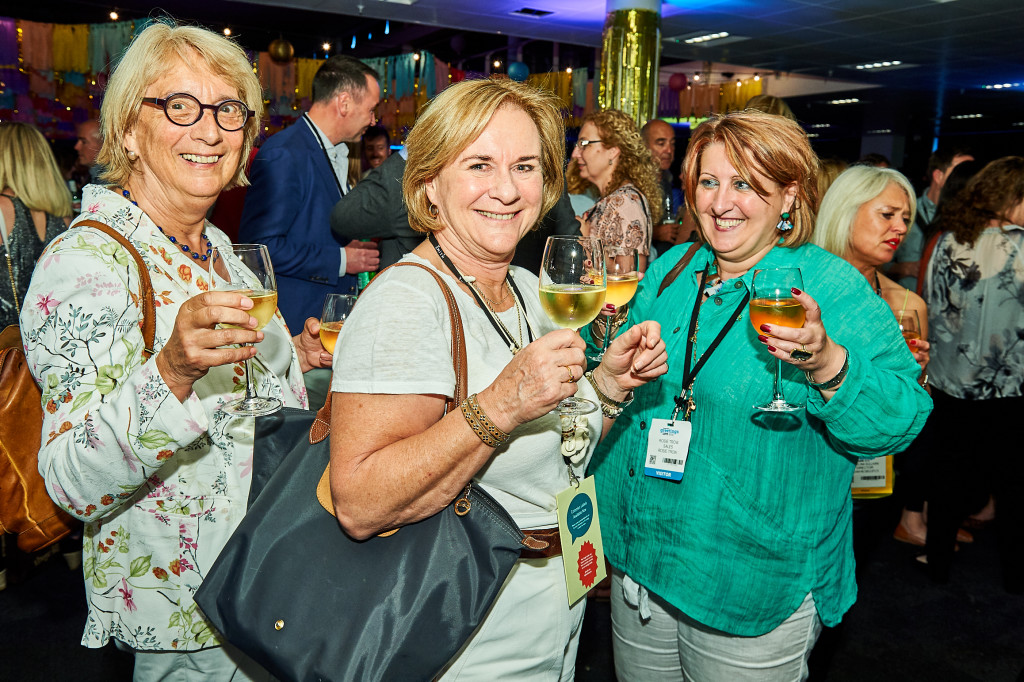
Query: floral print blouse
[
  {"x": 161, "y": 484},
  {"x": 622, "y": 219},
  {"x": 975, "y": 298}
]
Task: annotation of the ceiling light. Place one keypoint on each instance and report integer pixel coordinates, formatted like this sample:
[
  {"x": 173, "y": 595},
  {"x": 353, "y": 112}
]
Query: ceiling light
[
  {"x": 705, "y": 38},
  {"x": 326, "y": 47},
  {"x": 757, "y": 77},
  {"x": 568, "y": 69},
  {"x": 497, "y": 63},
  {"x": 113, "y": 16},
  {"x": 880, "y": 131},
  {"x": 696, "y": 76},
  {"x": 821, "y": 125},
  {"x": 961, "y": 117},
  {"x": 871, "y": 66},
  {"x": 416, "y": 56},
  {"x": 227, "y": 31},
  {"x": 850, "y": 100}
]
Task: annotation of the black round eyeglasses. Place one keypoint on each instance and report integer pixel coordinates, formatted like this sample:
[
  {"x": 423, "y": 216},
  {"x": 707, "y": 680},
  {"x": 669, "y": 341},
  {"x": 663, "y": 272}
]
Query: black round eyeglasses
[{"x": 184, "y": 110}]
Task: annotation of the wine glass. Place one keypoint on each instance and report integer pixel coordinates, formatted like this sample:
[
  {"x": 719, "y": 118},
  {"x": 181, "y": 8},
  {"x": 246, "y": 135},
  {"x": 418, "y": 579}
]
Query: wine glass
[
  {"x": 773, "y": 303},
  {"x": 336, "y": 310},
  {"x": 910, "y": 325},
  {"x": 572, "y": 291},
  {"x": 623, "y": 269},
  {"x": 246, "y": 268}
]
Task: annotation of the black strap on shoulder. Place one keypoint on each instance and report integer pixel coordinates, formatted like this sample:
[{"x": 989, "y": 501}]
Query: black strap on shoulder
[{"x": 679, "y": 267}]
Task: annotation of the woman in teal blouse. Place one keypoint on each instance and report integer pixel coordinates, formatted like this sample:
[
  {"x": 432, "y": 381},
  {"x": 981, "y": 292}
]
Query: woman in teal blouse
[{"x": 729, "y": 573}]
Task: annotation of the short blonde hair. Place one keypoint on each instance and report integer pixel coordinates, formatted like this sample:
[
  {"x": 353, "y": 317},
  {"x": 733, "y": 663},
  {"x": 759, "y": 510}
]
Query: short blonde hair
[
  {"x": 28, "y": 166},
  {"x": 456, "y": 117},
  {"x": 636, "y": 162},
  {"x": 770, "y": 145},
  {"x": 851, "y": 190},
  {"x": 146, "y": 59},
  {"x": 770, "y": 104}
]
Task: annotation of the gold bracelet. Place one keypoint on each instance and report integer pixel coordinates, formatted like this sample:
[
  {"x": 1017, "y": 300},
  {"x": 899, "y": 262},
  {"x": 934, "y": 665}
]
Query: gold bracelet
[
  {"x": 609, "y": 408},
  {"x": 483, "y": 427}
]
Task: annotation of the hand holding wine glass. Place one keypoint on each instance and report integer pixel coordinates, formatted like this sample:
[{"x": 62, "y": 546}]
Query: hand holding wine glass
[
  {"x": 572, "y": 293},
  {"x": 623, "y": 269},
  {"x": 773, "y": 304},
  {"x": 246, "y": 268}
]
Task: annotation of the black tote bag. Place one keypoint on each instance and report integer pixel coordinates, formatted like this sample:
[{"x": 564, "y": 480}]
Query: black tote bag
[{"x": 306, "y": 601}]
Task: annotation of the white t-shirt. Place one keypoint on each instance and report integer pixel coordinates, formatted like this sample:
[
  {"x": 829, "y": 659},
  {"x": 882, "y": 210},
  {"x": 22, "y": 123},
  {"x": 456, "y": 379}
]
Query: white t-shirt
[{"x": 397, "y": 340}]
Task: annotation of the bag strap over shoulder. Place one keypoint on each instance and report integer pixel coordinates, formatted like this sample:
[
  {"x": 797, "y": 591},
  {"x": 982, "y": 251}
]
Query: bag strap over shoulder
[
  {"x": 679, "y": 267},
  {"x": 148, "y": 304},
  {"x": 321, "y": 427}
]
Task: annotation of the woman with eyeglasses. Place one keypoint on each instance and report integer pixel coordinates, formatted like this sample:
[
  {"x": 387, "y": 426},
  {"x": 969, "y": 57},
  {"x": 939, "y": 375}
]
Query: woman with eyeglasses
[
  {"x": 611, "y": 155},
  {"x": 137, "y": 448}
]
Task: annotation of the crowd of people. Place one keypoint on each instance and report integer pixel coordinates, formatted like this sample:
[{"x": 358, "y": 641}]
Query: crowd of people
[{"x": 725, "y": 569}]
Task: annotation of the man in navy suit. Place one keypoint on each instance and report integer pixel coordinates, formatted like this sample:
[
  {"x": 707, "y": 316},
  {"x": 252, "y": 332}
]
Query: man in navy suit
[{"x": 297, "y": 177}]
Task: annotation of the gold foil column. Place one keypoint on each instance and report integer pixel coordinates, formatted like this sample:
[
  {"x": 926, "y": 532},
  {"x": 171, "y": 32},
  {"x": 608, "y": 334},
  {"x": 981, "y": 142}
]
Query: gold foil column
[{"x": 630, "y": 55}]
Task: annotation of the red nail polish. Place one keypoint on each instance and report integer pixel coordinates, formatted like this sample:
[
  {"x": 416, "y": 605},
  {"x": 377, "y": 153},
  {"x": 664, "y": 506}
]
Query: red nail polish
[
  {"x": 772, "y": 348},
  {"x": 912, "y": 342},
  {"x": 762, "y": 338},
  {"x": 766, "y": 328},
  {"x": 796, "y": 292}
]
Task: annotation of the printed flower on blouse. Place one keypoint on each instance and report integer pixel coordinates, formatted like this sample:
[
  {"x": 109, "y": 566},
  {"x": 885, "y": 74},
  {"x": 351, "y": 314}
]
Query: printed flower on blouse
[
  {"x": 185, "y": 272},
  {"x": 46, "y": 303},
  {"x": 126, "y": 594}
]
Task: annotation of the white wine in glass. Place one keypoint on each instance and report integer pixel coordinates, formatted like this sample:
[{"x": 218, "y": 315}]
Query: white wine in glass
[
  {"x": 246, "y": 268},
  {"x": 773, "y": 304},
  {"x": 623, "y": 268},
  {"x": 332, "y": 319},
  {"x": 572, "y": 292}
]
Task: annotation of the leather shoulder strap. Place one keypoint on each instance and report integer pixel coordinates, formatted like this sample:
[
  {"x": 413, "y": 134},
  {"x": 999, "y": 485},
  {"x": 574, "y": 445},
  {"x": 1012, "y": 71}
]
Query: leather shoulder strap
[
  {"x": 679, "y": 267},
  {"x": 926, "y": 256},
  {"x": 321, "y": 427},
  {"x": 148, "y": 305}
]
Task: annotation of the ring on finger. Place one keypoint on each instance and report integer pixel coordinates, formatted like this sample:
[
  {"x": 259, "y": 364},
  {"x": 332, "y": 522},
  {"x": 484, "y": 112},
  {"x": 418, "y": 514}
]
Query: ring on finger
[
  {"x": 801, "y": 355},
  {"x": 572, "y": 376}
]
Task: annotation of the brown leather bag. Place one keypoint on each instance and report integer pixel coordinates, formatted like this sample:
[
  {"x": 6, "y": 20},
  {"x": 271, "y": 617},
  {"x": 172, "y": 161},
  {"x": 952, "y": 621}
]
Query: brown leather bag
[{"x": 26, "y": 509}]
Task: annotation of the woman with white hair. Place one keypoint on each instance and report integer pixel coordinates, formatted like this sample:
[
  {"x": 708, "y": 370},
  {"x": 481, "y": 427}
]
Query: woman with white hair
[
  {"x": 138, "y": 449},
  {"x": 864, "y": 217}
]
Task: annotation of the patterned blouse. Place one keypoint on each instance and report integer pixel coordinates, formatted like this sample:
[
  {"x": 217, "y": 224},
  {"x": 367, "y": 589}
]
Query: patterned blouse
[
  {"x": 622, "y": 219},
  {"x": 161, "y": 484},
  {"x": 975, "y": 299}
]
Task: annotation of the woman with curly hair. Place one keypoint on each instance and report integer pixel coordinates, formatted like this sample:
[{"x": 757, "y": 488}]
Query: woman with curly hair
[
  {"x": 974, "y": 289},
  {"x": 611, "y": 155}
]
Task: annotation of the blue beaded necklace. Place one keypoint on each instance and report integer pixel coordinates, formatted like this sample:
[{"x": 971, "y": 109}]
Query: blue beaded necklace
[{"x": 184, "y": 247}]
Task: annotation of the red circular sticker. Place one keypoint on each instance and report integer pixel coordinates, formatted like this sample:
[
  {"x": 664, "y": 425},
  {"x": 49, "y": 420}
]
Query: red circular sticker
[{"x": 586, "y": 564}]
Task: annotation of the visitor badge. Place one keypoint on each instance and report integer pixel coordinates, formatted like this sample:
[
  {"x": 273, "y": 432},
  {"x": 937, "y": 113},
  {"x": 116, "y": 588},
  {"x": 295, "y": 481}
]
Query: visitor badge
[
  {"x": 580, "y": 533},
  {"x": 668, "y": 444}
]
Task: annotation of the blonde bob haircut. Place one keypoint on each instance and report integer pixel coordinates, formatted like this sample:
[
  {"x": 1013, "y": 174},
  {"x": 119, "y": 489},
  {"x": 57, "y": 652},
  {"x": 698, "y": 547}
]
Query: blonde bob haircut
[
  {"x": 852, "y": 189},
  {"x": 771, "y": 146},
  {"x": 150, "y": 55},
  {"x": 29, "y": 168},
  {"x": 456, "y": 117}
]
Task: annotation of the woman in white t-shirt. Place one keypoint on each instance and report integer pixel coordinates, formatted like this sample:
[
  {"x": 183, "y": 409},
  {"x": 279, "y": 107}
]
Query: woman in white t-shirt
[{"x": 484, "y": 165}]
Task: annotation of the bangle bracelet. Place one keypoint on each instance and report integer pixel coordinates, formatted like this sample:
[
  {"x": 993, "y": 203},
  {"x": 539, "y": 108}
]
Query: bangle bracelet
[
  {"x": 483, "y": 427},
  {"x": 834, "y": 381},
  {"x": 609, "y": 408}
]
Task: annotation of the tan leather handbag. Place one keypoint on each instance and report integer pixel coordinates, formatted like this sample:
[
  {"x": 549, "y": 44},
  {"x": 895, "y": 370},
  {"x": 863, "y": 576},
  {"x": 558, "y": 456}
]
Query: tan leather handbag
[{"x": 26, "y": 509}]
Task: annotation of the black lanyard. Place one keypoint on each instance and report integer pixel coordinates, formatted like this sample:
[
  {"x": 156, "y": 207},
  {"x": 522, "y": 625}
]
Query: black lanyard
[
  {"x": 685, "y": 399},
  {"x": 513, "y": 345},
  {"x": 330, "y": 164}
]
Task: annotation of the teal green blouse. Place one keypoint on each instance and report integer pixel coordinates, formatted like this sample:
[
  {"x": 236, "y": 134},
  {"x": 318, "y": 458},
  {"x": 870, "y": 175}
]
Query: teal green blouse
[{"x": 762, "y": 515}]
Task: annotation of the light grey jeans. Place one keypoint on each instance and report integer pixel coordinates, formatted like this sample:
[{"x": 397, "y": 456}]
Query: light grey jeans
[{"x": 673, "y": 646}]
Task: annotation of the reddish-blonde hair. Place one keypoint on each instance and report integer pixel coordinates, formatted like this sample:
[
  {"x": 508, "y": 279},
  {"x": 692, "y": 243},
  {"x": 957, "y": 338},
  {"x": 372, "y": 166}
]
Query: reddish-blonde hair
[{"x": 771, "y": 146}]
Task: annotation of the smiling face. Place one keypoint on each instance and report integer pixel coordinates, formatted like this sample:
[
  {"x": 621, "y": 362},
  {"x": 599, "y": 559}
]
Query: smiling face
[
  {"x": 185, "y": 162},
  {"x": 376, "y": 150},
  {"x": 738, "y": 224},
  {"x": 491, "y": 193},
  {"x": 357, "y": 112},
  {"x": 879, "y": 226},
  {"x": 596, "y": 162}
]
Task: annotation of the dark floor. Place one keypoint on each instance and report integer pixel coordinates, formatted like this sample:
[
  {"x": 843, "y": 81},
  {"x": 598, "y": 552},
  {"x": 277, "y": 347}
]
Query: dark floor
[{"x": 902, "y": 628}]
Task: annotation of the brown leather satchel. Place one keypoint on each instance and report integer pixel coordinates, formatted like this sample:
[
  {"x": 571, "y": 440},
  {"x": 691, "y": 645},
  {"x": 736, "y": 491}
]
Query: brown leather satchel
[{"x": 26, "y": 509}]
